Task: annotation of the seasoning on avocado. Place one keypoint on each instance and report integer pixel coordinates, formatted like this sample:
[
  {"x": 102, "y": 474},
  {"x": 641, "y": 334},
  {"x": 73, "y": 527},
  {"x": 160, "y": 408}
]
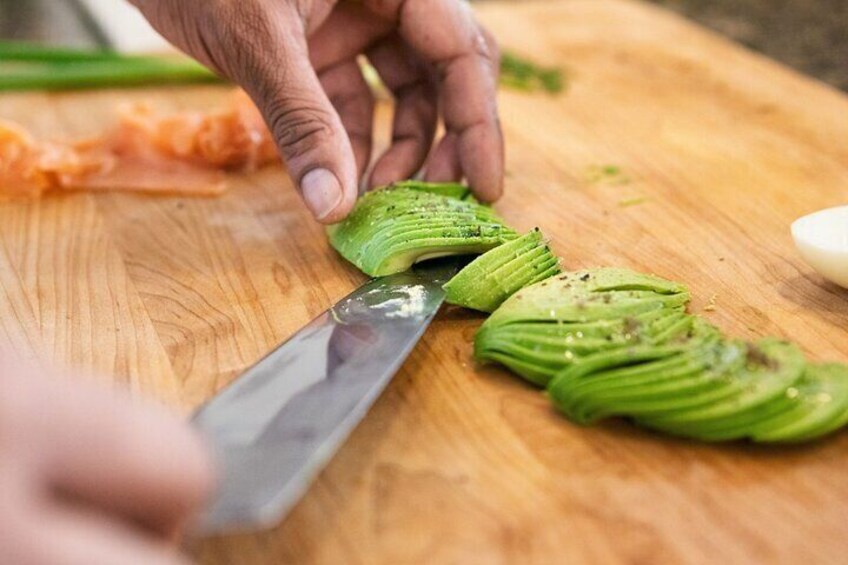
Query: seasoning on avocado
[
  {"x": 545, "y": 327},
  {"x": 756, "y": 357},
  {"x": 393, "y": 227}
]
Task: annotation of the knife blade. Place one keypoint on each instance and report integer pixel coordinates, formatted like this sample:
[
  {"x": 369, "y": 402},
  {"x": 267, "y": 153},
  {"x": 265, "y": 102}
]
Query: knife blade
[{"x": 281, "y": 421}]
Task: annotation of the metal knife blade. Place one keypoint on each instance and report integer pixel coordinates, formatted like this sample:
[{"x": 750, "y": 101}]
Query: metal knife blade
[{"x": 280, "y": 422}]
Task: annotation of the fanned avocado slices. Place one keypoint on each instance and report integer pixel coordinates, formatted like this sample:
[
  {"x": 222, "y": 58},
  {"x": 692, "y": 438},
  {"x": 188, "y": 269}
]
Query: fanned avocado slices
[
  {"x": 497, "y": 274},
  {"x": 770, "y": 368},
  {"x": 550, "y": 325},
  {"x": 643, "y": 378},
  {"x": 604, "y": 342},
  {"x": 590, "y": 295},
  {"x": 814, "y": 406},
  {"x": 393, "y": 227},
  {"x": 713, "y": 390},
  {"x": 454, "y": 190},
  {"x": 615, "y": 343}
]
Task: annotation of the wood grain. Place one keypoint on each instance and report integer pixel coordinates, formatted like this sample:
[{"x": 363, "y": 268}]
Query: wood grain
[{"x": 464, "y": 464}]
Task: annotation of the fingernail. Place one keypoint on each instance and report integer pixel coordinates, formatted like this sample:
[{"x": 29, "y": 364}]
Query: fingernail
[{"x": 322, "y": 192}]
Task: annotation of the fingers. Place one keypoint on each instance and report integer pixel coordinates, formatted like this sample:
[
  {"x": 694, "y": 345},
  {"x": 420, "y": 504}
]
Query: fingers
[
  {"x": 262, "y": 46},
  {"x": 308, "y": 131},
  {"x": 494, "y": 52},
  {"x": 349, "y": 30},
  {"x": 444, "y": 33},
  {"x": 123, "y": 457},
  {"x": 354, "y": 102},
  {"x": 65, "y": 537},
  {"x": 88, "y": 477},
  {"x": 444, "y": 165},
  {"x": 416, "y": 113}
]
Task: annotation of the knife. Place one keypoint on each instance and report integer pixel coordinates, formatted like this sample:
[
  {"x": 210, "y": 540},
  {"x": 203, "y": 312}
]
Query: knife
[{"x": 282, "y": 420}]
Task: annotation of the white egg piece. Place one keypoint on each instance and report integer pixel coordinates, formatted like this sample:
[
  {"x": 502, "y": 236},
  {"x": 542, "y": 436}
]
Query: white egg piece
[{"x": 822, "y": 240}]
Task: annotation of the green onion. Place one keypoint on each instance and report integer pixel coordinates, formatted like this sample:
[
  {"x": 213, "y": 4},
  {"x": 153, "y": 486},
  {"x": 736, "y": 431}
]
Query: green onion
[
  {"x": 22, "y": 51},
  {"x": 521, "y": 74},
  {"x": 25, "y": 66}
]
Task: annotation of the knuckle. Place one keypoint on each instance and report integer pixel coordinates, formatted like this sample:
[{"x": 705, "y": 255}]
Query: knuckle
[
  {"x": 236, "y": 38},
  {"x": 486, "y": 47},
  {"x": 494, "y": 48},
  {"x": 312, "y": 12},
  {"x": 241, "y": 28},
  {"x": 299, "y": 126},
  {"x": 194, "y": 27}
]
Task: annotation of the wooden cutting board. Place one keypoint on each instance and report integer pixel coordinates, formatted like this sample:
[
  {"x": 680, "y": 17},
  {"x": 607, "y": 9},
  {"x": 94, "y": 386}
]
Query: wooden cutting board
[{"x": 721, "y": 150}]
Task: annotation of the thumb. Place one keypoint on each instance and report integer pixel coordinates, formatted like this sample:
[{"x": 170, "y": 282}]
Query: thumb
[
  {"x": 262, "y": 46},
  {"x": 309, "y": 134}
]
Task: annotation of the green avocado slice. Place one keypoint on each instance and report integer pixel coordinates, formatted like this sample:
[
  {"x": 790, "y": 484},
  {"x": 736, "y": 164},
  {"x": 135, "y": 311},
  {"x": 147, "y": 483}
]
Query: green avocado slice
[
  {"x": 771, "y": 367},
  {"x": 498, "y": 274},
  {"x": 638, "y": 365},
  {"x": 392, "y": 228},
  {"x": 682, "y": 380},
  {"x": 541, "y": 262},
  {"x": 549, "y": 348},
  {"x": 595, "y": 294},
  {"x": 530, "y": 371},
  {"x": 596, "y": 316},
  {"x": 814, "y": 406},
  {"x": 454, "y": 190}
]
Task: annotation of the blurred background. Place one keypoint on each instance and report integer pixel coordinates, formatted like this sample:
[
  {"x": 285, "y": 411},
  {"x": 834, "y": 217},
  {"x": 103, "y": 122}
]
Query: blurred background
[{"x": 809, "y": 35}]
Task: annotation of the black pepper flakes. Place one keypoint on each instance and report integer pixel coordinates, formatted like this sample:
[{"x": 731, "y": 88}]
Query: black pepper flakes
[
  {"x": 756, "y": 357},
  {"x": 631, "y": 325}
]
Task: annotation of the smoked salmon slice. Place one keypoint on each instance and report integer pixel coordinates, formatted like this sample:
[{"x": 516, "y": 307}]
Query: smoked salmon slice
[{"x": 184, "y": 153}]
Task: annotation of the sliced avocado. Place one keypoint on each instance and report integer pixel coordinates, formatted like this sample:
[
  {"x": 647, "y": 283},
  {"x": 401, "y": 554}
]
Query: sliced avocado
[
  {"x": 711, "y": 389},
  {"x": 771, "y": 367},
  {"x": 597, "y": 314},
  {"x": 547, "y": 347},
  {"x": 651, "y": 385},
  {"x": 814, "y": 406},
  {"x": 562, "y": 346},
  {"x": 455, "y": 190},
  {"x": 541, "y": 264},
  {"x": 498, "y": 274},
  {"x": 644, "y": 349},
  {"x": 533, "y": 373},
  {"x": 595, "y": 294},
  {"x": 393, "y": 227},
  {"x": 605, "y": 342}
]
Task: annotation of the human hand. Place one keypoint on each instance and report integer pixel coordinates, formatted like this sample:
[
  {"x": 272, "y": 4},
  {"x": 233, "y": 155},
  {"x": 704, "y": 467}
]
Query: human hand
[
  {"x": 89, "y": 477},
  {"x": 297, "y": 61}
]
